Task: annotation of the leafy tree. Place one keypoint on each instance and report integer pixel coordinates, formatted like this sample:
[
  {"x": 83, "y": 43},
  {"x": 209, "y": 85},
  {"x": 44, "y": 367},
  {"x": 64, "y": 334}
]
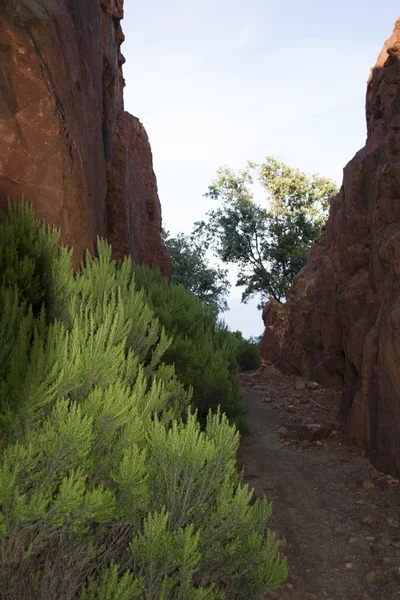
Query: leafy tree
[
  {"x": 109, "y": 487},
  {"x": 191, "y": 268},
  {"x": 269, "y": 243}
]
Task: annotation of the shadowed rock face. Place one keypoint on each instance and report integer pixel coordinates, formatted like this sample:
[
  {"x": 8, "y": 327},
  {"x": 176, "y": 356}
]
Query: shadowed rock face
[
  {"x": 66, "y": 142},
  {"x": 341, "y": 323}
]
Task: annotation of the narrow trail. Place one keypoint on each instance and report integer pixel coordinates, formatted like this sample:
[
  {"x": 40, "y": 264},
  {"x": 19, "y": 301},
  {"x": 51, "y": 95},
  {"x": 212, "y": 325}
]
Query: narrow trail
[{"x": 338, "y": 525}]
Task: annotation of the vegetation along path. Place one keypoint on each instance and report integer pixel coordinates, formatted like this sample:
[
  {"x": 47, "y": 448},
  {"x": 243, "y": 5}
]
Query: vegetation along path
[{"x": 337, "y": 518}]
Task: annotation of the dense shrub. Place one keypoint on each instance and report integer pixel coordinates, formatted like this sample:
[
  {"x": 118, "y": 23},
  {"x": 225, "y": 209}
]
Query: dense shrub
[
  {"x": 247, "y": 352},
  {"x": 105, "y": 491},
  {"x": 202, "y": 349}
]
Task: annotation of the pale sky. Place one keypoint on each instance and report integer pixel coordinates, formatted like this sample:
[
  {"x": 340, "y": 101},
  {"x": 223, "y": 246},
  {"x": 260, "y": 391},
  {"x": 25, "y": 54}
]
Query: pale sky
[{"x": 221, "y": 82}]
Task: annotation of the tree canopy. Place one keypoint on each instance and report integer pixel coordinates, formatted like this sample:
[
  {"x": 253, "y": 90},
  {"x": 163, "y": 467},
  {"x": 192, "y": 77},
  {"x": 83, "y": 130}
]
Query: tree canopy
[
  {"x": 191, "y": 268},
  {"x": 269, "y": 242}
]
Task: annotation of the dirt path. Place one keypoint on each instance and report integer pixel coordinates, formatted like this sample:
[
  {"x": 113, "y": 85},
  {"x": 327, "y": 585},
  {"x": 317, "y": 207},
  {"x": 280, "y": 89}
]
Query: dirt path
[{"x": 340, "y": 534}]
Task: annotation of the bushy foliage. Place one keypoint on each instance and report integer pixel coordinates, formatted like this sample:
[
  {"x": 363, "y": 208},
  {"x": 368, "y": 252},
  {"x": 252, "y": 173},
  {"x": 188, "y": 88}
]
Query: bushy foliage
[
  {"x": 247, "y": 352},
  {"x": 191, "y": 268},
  {"x": 109, "y": 488},
  {"x": 202, "y": 350},
  {"x": 269, "y": 242}
]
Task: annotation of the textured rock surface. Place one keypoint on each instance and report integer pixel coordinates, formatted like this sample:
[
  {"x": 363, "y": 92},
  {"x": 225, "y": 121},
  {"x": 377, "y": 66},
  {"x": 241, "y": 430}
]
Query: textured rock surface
[
  {"x": 66, "y": 141},
  {"x": 341, "y": 324}
]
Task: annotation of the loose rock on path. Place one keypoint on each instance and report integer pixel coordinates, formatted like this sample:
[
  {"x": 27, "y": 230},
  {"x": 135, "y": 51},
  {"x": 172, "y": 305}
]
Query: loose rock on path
[{"x": 336, "y": 516}]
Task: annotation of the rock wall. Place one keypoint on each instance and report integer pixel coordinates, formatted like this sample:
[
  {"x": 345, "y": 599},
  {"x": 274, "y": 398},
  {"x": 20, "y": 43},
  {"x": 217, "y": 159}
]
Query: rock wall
[
  {"x": 341, "y": 322},
  {"x": 66, "y": 142}
]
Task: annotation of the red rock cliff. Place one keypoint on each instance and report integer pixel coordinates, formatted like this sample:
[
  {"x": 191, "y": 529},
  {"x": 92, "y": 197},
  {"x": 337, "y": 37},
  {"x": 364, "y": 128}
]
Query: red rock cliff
[
  {"x": 66, "y": 141},
  {"x": 341, "y": 323}
]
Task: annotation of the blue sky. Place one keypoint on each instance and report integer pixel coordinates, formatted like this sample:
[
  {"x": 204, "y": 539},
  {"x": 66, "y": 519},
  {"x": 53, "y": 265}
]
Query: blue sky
[{"x": 220, "y": 82}]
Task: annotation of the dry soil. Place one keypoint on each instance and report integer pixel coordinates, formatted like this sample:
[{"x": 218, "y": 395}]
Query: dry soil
[{"x": 337, "y": 520}]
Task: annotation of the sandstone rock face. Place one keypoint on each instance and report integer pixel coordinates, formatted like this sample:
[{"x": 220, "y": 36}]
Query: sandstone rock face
[
  {"x": 341, "y": 323},
  {"x": 66, "y": 142}
]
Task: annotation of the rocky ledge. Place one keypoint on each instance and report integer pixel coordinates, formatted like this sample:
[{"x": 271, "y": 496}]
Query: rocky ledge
[
  {"x": 66, "y": 142},
  {"x": 341, "y": 323}
]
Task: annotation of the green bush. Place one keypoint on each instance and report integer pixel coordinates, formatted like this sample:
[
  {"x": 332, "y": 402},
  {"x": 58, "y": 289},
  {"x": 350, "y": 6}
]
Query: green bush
[
  {"x": 202, "y": 350},
  {"x": 109, "y": 488},
  {"x": 247, "y": 352}
]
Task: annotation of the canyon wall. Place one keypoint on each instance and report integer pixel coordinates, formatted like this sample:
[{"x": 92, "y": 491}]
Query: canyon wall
[
  {"x": 341, "y": 323},
  {"x": 66, "y": 142}
]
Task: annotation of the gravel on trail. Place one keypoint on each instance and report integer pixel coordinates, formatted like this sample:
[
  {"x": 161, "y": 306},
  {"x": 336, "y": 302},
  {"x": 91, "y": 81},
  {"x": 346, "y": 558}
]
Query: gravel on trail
[{"x": 337, "y": 518}]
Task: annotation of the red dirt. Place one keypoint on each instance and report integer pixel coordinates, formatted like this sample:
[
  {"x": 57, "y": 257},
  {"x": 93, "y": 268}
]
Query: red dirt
[{"x": 318, "y": 496}]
